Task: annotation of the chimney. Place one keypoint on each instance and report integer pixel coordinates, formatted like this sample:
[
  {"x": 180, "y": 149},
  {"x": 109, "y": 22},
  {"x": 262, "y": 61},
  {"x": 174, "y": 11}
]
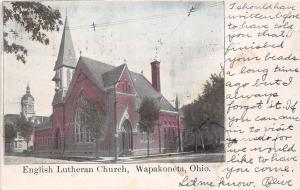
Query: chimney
[{"x": 155, "y": 75}]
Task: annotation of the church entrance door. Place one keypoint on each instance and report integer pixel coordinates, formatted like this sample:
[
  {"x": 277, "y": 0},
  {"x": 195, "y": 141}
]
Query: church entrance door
[{"x": 126, "y": 138}]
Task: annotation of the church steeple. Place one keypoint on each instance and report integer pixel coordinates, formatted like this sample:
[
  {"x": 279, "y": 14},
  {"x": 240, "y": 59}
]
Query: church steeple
[
  {"x": 64, "y": 65},
  {"x": 66, "y": 55}
]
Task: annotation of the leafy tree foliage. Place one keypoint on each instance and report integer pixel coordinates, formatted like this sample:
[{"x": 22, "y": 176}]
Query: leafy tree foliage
[
  {"x": 35, "y": 18},
  {"x": 25, "y": 128},
  {"x": 94, "y": 118},
  {"x": 10, "y": 132},
  {"x": 149, "y": 114},
  {"x": 204, "y": 117}
]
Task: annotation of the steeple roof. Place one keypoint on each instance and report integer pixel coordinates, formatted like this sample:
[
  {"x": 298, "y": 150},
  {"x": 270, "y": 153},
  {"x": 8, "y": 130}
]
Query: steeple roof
[{"x": 66, "y": 55}]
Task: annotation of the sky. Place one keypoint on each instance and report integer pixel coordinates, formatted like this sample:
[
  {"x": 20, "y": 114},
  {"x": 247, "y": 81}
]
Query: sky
[{"x": 190, "y": 48}]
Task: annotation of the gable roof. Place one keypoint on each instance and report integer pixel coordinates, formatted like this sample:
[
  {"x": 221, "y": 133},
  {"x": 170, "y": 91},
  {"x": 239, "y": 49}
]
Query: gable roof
[
  {"x": 95, "y": 69},
  {"x": 112, "y": 76},
  {"x": 105, "y": 75},
  {"x": 145, "y": 89},
  {"x": 66, "y": 54}
]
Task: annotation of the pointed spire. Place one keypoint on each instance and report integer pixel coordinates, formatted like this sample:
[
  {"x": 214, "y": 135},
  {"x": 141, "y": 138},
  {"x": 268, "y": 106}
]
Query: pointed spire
[
  {"x": 27, "y": 88},
  {"x": 66, "y": 55}
]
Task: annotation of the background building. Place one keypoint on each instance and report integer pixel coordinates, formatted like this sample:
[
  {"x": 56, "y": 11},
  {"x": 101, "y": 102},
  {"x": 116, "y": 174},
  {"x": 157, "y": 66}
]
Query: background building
[{"x": 27, "y": 109}]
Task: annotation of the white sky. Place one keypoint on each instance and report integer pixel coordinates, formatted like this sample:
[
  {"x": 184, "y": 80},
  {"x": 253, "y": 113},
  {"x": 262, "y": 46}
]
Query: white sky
[{"x": 191, "y": 49}]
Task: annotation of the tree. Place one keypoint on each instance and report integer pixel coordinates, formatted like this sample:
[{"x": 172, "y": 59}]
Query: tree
[
  {"x": 35, "y": 19},
  {"x": 205, "y": 116},
  {"x": 149, "y": 114},
  {"x": 25, "y": 129},
  {"x": 94, "y": 119},
  {"x": 10, "y": 132}
]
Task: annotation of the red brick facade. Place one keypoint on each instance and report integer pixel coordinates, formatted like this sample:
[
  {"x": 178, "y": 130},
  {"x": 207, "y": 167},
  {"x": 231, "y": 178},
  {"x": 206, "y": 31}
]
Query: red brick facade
[
  {"x": 61, "y": 138},
  {"x": 120, "y": 92}
]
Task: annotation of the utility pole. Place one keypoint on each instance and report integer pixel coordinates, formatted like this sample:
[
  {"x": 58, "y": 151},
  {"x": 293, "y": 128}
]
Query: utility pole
[
  {"x": 115, "y": 123},
  {"x": 178, "y": 123},
  {"x": 94, "y": 26}
]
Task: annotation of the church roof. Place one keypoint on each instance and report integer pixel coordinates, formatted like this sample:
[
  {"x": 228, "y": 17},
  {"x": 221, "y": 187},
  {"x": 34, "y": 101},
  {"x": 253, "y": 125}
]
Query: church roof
[
  {"x": 96, "y": 70},
  {"x": 112, "y": 76},
  {"x": 145, "y": 89},
  {"x": 105, "y": 75},
  {"x": 66, "y": 55}
]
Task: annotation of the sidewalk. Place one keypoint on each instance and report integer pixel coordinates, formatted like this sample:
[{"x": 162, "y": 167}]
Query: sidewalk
[
  {"x": 127, "y": 158},
  {"x": 179, "y": 157}
]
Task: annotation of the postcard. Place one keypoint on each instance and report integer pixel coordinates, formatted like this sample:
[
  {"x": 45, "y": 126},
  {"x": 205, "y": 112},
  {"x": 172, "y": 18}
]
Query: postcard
[{"x": 150, "y": 95}]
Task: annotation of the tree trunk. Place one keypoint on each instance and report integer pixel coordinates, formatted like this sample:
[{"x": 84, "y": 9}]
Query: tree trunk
[
  {"x": 196, "y": 141},
  {"x": 159, "y": 140},
  {"x": 64, "y": 144},
  {"x": 202, "y": 142},
  {"x": 27, "y": 142},
  {"x": 97, "y": 147},
  {"x": 148, "y": 144}
]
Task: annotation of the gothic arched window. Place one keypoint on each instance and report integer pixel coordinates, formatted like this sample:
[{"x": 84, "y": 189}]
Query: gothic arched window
[
  {"x": 77, "y": 121},
  {"x": 82, "y": 133}
]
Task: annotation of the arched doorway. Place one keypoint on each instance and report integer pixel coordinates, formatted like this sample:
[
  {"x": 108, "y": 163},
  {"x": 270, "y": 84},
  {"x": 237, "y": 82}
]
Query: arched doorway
[{"x": 126, "y": 137}]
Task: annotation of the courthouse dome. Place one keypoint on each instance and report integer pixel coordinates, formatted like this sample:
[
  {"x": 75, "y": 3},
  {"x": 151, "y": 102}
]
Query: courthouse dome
[{"x": 27, "y": 96}]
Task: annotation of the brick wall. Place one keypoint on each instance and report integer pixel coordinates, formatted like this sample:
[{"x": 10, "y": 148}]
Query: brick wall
[{"x": 86, "y": 88}]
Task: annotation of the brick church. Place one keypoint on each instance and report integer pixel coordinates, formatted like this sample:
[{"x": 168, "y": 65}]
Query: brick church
[{"x": 120, "y": 91}]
